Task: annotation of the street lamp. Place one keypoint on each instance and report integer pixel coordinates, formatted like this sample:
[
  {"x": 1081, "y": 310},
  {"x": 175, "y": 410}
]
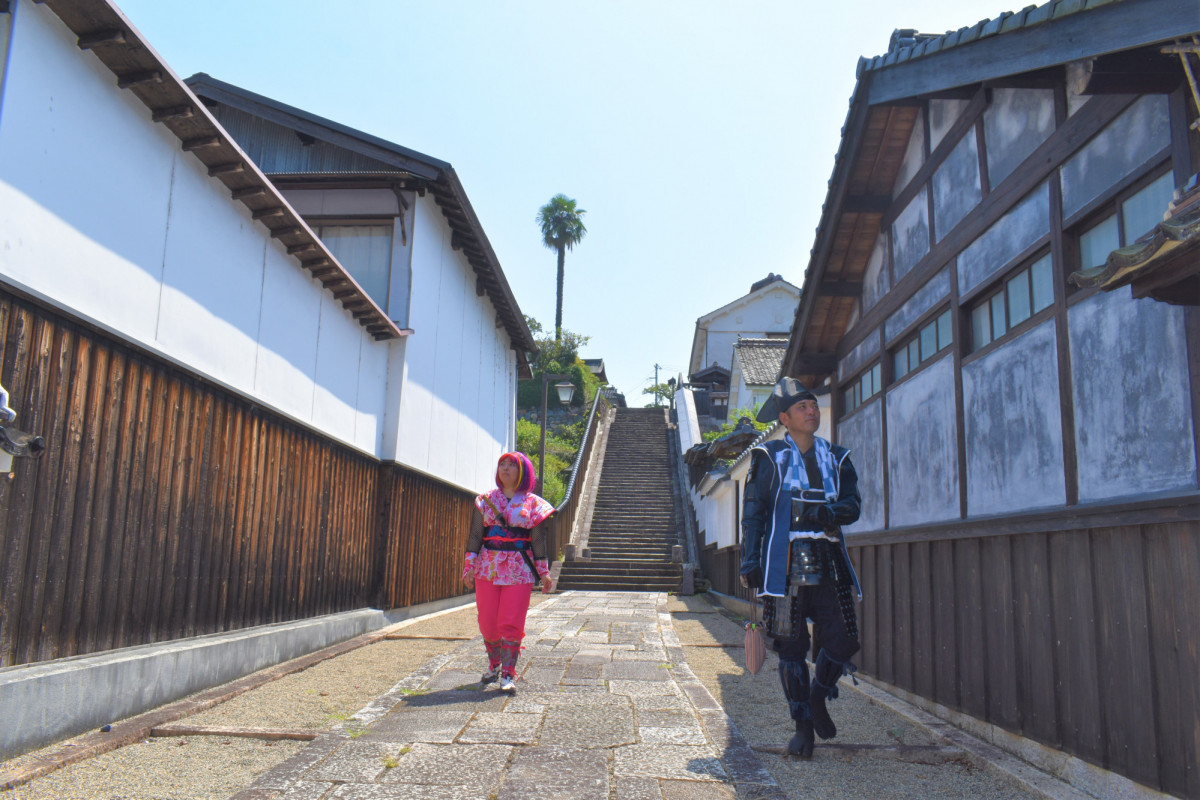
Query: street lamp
[{"x": 566, "y": 390}]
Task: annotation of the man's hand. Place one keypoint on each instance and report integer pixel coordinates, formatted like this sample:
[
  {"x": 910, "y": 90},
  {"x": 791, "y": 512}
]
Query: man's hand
[{"x": 752, "y": 579}]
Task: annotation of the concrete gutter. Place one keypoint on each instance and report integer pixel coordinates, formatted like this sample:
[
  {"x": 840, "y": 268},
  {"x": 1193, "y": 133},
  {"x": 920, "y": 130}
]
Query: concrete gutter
[{"x": 51, "y": 700}]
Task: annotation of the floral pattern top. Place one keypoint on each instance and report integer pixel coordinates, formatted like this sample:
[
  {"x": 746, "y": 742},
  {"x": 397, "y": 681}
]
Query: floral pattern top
[{"x": 507, "y": 567}]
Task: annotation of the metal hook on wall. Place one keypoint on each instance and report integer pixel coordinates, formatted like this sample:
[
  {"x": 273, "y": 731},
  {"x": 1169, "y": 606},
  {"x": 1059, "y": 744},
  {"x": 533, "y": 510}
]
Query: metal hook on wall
[{"x": 13, "y": 442}]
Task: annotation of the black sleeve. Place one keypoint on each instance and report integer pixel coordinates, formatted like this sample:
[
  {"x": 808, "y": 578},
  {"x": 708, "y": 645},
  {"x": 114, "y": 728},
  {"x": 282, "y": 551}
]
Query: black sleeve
[
  {"x": 848, "y": 504},
  {"x": 757, "y": 508},
  {"x": 475, "y": 538},
  {"x": 541, "y": 536}
]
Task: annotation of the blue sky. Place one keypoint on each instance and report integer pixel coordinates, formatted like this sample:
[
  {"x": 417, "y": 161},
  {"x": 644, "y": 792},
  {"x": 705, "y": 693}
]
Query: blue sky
[{"x": 698, "y": 136}]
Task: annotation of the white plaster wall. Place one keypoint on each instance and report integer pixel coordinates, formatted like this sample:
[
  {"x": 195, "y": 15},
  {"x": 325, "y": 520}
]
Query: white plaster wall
[
  {"x": 922, "y": 447},
  {"x": 458, "y": 369},
  {"x": 1014, "y": 426},
  {"x": 772, "y": 311},
  {"x": 103, "y": 215},
  {"x": 1132, "y": 394},
  {"x": 862, "y": 435}
]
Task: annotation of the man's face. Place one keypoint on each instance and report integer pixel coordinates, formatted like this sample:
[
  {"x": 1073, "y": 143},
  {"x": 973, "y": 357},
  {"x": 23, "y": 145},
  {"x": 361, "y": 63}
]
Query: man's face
[{"x": 802, "y": 417}]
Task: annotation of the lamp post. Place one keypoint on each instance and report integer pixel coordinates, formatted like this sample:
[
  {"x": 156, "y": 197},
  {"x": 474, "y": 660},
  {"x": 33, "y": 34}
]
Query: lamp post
[{"x": 566, "y": 390}]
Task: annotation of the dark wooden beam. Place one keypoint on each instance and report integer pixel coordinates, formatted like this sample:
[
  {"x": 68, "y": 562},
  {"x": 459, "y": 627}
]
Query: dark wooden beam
[
  {"x": 174, "y": 112},
  {"x": 867, "y": 203},
  {"x": 251, "y": 191},
  {"x": 138, "y": 78},
  {"x": 300, "y": 248},
  {"x": 316, "y": 263},
  {"x": 456, "y": 240},
  {"x": 112, "y": 36},
  {"x": 1105, "y": 29},
  {"x": 274, "y": 211},
  {"x": 290, "y": 230},
  {"x": 231, "y": 168},
  {"x": 814, "y": 363},
  {"x": 1145, "y": 71},
  {"x": 201, "y": 142},
  {"x": 841, "y": 289},
  {"x": 480, "y": 291},
  {"x": 323, "y": 271}
]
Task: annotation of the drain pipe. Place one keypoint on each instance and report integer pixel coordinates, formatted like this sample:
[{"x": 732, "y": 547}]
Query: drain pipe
[{"x": 15, "y": 443}]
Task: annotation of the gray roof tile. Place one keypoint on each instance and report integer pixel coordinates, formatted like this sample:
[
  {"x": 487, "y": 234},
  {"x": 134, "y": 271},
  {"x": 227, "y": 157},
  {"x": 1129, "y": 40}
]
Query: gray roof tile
[{"x": 761, "y": 360}]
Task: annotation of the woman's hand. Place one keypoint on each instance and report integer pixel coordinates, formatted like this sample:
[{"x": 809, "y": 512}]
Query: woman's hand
[{"x": 547, "y": 585}]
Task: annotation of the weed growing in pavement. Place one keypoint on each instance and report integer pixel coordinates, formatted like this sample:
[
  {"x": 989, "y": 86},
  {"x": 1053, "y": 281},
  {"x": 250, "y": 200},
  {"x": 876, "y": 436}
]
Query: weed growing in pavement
[
  {"x": 408, "y": 692},
  {"x": 405, "y": 750},
  {"x": 355, "y": 731},
  {"x": 391, "y": 762}
]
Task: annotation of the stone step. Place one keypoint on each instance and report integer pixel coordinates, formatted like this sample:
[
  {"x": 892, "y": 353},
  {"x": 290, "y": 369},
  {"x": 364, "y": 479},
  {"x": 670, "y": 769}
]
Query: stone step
[{"x": 619, "y": 568}]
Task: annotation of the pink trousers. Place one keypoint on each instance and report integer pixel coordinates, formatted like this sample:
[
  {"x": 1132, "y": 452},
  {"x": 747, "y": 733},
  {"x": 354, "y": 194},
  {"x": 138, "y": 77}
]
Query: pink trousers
[{"x": 502, "y": 610}]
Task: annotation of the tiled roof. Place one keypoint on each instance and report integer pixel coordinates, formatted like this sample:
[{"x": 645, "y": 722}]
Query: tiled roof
[
  {"x": 761, "y": 360},
  {"x": 917, "y": 45}
]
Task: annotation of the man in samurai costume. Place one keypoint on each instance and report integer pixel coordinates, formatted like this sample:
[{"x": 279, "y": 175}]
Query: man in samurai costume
[{"x": 800, "y": 491}]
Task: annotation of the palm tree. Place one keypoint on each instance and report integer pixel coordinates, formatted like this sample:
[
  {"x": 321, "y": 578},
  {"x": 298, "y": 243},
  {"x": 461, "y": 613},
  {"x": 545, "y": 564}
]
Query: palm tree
[{"x": 562, "y": 228}]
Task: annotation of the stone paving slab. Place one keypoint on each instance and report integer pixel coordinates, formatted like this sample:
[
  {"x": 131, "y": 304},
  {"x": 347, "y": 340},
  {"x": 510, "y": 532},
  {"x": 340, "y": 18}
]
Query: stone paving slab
[
  {"x": 502, "y": 728},
  {"x": 557, "y": 772},
  {"x": 605, "y": 707}
]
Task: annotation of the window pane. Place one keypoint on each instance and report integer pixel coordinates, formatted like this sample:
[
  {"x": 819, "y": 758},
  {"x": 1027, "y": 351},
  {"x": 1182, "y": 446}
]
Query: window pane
[
  {"x": 945, "y": 333},
  {"x": 1018, "y": 298},
  {"x": 981, "y": 326},
  {"x": 1146, "y": 208},
  {"x": 928, "y": 341},
  {"x": 849, "y": 399},
  {"x": 1097, "y": 243},
  {"x": 914, "y": 353},
  {"x": 865, "y": 386},
  {"x": 877, "y": 377},
  {"x": 1043, "y": 284},
  {"x": 901, "y": 365},
  {"x": 998, "y": 326},
  {"x": 366, "y": 251}
]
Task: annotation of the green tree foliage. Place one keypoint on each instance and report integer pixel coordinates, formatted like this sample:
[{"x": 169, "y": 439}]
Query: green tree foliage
[
  {"x": 560, "y": 454},
  {"x": 731, "y": 421},
  {"x": 561, "y": 223},
  {"x": 557, "y": 356},
  {"x": 662, "y": 394}
]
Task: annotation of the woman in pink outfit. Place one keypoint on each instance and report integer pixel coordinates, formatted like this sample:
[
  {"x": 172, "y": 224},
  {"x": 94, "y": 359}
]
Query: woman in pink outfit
[{"x": 506, "y": 555}]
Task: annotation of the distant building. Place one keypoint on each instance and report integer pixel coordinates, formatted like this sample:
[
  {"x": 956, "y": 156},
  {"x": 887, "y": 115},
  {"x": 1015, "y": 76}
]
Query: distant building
[
  {"x": 596, "y": 365},
  {"x": 766, "y": 311}
]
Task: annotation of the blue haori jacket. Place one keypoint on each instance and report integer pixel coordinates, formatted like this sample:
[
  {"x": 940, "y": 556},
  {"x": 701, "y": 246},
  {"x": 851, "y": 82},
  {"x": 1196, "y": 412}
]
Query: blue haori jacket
[{"x": 766, "y": 513}]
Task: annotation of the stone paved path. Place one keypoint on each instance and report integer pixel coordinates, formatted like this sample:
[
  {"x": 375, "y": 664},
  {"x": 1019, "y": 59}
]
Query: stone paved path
[{"x": 605, "y": 707}]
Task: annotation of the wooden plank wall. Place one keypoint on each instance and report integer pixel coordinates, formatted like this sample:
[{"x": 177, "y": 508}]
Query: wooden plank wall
[
  {"x": 166, "y": 507},
  {"x": 1087, "y": 641}
]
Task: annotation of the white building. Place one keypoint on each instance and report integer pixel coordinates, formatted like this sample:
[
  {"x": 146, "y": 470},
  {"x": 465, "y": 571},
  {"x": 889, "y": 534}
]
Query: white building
[{"x": 766, "y": 311}]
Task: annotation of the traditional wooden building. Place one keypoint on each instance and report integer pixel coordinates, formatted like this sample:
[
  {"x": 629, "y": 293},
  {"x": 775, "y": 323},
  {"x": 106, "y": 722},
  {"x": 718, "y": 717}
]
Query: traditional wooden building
[
  {"x": 1027, "y": 449},
  {"x": 262, "y": 390}
]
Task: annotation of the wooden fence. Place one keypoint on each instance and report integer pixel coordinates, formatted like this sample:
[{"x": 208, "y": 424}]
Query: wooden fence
[
  {"x": 1087, "y": 640},
  {"x": 166, "y": 506}
]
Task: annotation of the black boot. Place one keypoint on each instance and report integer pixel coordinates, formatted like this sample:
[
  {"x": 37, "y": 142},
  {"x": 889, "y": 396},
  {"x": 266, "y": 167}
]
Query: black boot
[
  {"x": 802, "y": 743},
  {"x": 825, "y": 678},
  {"x": 794, "y": 677}
]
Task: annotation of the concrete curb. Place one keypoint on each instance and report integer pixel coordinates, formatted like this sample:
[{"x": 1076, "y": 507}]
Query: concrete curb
[
  {"x": 52, "y": 700},
  {"x": 1039, "y": 769}
]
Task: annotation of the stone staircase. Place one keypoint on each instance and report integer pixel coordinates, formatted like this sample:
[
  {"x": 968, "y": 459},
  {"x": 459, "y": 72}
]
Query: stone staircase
[{"x": 633, "y": 525}]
